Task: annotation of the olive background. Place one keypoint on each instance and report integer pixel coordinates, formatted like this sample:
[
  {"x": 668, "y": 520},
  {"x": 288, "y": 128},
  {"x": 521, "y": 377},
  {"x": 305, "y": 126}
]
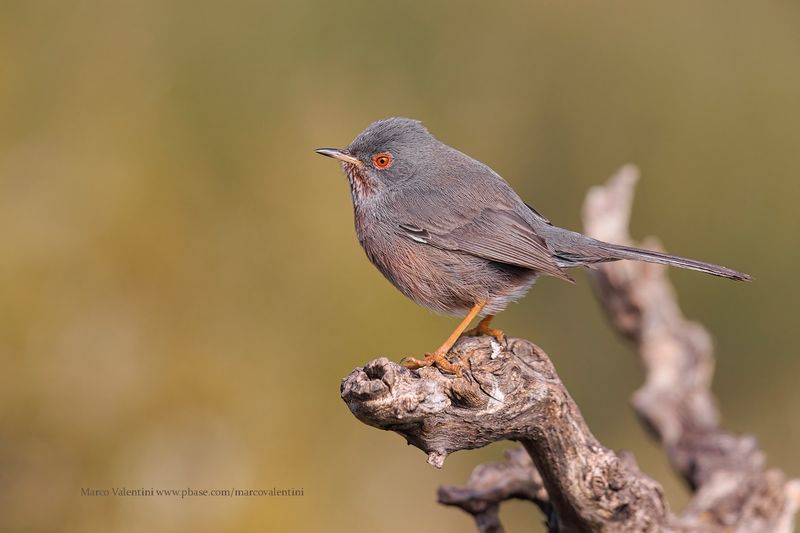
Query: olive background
[{"x": 181, "y": 289}]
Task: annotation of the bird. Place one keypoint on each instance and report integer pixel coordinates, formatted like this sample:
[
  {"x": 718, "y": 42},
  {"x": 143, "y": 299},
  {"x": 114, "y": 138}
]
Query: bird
[{"x": 453, "y": 236}]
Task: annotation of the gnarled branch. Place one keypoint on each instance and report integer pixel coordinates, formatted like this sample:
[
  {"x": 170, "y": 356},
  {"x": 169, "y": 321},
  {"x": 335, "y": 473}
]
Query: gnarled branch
[
  {"x": 493, "y": 483},
  {"x": 510, "y": 393},
  {"x": 725, "y": 471}
]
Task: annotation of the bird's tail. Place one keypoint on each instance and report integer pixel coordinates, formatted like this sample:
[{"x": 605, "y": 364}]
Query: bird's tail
[{"x": 594, "y": 251}]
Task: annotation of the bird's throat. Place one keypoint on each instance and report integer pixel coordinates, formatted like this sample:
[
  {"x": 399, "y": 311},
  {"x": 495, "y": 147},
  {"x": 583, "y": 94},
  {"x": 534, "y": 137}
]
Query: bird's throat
[{"x": 362, "y": 186}]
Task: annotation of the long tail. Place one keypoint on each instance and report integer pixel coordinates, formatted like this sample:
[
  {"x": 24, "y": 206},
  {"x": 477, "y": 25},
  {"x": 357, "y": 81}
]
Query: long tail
[{"x": 593, "y": 251}]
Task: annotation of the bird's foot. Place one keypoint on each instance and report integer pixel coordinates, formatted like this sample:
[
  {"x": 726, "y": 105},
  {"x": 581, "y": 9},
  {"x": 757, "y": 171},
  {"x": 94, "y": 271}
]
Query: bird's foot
[
  {"x": 435, "y": 358},
  {"x": 483, "y": 328}
]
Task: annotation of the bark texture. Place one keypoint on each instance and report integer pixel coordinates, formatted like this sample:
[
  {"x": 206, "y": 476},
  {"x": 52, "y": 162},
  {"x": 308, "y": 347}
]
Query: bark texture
[
  {"x": 512, "y": 392},
  {"x": 732, "y": 489}
]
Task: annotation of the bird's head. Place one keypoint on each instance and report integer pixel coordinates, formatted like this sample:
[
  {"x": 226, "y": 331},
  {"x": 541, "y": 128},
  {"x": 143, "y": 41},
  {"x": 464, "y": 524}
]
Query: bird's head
[{"x": 384, "y": 156}]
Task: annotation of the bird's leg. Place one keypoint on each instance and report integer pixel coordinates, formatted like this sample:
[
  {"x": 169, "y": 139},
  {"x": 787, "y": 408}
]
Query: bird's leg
[
  {"x": 438, "y": 357},
  {"x": 483, "y": 328}
]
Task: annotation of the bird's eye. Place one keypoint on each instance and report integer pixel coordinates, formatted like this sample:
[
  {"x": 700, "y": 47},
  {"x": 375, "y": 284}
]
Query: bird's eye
[{"x": 382, "y": 160}]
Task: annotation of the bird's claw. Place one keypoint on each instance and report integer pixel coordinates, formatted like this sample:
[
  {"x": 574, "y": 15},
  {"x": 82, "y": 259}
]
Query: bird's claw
[
  {"x": 480, "y": 331},
  {"x": 431, "y": 359}
]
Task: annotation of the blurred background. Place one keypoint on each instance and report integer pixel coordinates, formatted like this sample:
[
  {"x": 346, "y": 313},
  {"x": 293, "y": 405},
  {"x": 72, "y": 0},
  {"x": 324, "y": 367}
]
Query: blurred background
[{"x": 181, "y": 289}]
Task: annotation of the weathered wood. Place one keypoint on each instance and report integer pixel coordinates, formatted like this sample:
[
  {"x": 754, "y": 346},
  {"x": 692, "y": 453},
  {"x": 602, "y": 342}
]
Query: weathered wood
[
  {"x": 732, "y": 489},
  {"x": 510, "y": 393},
  {"x": 492, "y": 483}
]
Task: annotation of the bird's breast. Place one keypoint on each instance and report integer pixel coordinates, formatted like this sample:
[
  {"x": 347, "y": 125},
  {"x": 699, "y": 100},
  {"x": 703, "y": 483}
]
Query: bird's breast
[
  {"x": 444, "y": 281},
  {"x": 409, "y": 266}
]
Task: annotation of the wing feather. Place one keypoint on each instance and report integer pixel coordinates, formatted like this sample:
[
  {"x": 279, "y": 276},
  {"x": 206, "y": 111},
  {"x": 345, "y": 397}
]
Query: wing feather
[{"x": 495, "y": 234}]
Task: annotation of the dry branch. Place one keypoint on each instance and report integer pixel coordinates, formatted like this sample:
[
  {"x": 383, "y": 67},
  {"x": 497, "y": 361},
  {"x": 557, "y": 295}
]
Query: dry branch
[
  {"x": 493, "y": 483},
  {"x": 732, "y": 490},
  {"x": 512, "y": 392}
]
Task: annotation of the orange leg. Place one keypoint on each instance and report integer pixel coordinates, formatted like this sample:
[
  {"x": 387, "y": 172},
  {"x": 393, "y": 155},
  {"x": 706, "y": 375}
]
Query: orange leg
[
  {"x": 483, "y": 328},
  {"x": 438, "y": 357}
]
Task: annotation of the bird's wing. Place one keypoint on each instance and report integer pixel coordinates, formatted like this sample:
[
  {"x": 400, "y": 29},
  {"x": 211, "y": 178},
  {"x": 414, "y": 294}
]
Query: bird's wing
[
  {"x": 539, "y": 215},
  {"x": 495, "y": 234}
]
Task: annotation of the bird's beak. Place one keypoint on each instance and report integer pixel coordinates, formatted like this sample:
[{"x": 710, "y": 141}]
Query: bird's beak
[{"x": 341, "y": 155}]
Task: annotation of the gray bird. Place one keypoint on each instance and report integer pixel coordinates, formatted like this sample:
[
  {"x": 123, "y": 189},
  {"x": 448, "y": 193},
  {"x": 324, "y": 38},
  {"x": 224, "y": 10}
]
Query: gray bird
[{"x": 453, "y": 236}]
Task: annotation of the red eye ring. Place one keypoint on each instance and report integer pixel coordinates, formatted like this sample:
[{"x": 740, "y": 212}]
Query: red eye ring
[{"x": 382, "y": 160}]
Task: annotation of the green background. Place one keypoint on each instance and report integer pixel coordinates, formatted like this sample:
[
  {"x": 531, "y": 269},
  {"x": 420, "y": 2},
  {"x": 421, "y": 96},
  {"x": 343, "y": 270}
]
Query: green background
[{"x": 181, "y": 288}]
